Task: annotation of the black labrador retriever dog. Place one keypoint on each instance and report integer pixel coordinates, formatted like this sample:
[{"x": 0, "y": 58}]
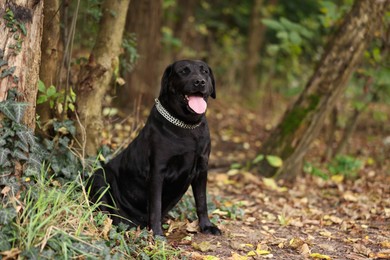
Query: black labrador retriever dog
[{"x": 148, "y": 178}]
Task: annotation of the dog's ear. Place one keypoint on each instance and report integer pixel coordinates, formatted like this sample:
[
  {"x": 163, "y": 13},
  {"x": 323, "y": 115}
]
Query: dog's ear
[
  {"x": 213, "y": 93},
  {"x": 165, "y": 80}
]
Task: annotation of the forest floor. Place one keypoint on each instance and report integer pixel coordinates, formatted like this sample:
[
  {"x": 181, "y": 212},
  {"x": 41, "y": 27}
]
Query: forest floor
[{"x": 343, "y": 217}]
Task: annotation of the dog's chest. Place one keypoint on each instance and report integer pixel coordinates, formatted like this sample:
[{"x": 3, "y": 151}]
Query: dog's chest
[{"x": 184, "y": 163}]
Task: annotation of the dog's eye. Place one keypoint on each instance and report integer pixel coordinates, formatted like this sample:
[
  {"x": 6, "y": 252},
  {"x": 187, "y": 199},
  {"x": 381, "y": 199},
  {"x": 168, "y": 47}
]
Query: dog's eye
[
  {"x": 184, "y": 71},
  {"x": 205, "y": 71}
]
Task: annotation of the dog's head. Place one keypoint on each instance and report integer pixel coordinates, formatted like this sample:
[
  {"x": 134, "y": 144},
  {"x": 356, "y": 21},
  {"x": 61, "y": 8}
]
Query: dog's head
[{"x": 185, "y": 88}]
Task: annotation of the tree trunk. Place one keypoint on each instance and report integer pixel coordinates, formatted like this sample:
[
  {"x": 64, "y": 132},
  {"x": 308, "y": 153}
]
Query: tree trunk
[
  {"x": 49, "y": 48},
  {"x": 95, "y": 77},
  {"x": 144, "y": 18},
  {"x": 20, "y": 52},
  {"x": 302, "y": 122},
  {"x": 184, "y": 29},
  {"x": 255, "y": 39}
]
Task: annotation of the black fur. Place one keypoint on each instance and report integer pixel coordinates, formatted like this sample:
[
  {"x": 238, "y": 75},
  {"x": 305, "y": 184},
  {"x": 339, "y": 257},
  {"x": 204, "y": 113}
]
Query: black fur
[{"x": 150, "y": 176}]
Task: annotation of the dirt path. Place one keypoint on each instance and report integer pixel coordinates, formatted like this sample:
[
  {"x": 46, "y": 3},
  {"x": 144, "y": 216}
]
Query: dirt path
[{"x": 314, "y": 219}]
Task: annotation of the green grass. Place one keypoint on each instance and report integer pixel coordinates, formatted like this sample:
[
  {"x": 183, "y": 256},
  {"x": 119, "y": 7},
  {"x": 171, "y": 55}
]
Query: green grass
[{"x": 55, "y": 221}]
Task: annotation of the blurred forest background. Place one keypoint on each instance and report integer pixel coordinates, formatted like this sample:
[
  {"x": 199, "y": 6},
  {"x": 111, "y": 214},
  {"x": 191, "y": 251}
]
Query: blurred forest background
[
  {"x": 303, "y": 87},
  {"x": 101, "y": 56}
]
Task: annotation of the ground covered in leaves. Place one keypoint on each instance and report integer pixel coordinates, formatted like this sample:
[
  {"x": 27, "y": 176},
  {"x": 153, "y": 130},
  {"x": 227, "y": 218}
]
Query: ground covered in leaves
[{"x": 346, "y": 216}]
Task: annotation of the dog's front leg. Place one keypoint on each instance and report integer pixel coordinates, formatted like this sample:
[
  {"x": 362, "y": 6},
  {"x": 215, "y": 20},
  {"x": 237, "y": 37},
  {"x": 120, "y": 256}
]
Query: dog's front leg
[
  {"x": 155, "y": 200},
  {"x": 199, "y": 190}
]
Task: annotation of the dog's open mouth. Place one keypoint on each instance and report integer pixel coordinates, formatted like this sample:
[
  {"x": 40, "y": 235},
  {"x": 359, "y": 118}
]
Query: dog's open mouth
[{"x": 196, "y": 103}]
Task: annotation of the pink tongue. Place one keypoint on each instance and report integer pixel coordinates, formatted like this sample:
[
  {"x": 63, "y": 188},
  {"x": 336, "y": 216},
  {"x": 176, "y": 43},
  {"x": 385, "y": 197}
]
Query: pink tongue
[{"x": 197, "y": 104}]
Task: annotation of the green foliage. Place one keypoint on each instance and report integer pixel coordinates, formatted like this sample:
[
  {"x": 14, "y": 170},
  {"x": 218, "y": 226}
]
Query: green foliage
[
  {"x": 88, "y": 14},
  {"x": 17, "y": 28},
  {"x": 273, "y": 160},
  {"x": 56, "y": 99},
  {"x": 344, "y": 165},
  {"x": 57, "y": 222},
  {"x": 17, "y": 142},
  {"x": 130, "y": 56},
  {"x": 347, "y": 166},
  {"x": 64, "y": 163}
]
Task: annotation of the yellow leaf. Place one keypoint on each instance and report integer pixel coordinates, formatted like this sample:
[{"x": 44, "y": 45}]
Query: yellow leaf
[
  {"x": 210, "y": 257},
  {"x": 251, "y": 253},
  {"x": 271, "y": 184},
  {"x": 101, "y": 157},
  {"x": 261, "y": 249},
  {"x": 384, "y": 254},
  {"x": 319, "y": 256},
  {"x": 247, "y": 245},
  {"x": 236, "y": 256},
  {"x": 385, "y": 243},
  {"x": 220, "y": 212},
  {"x": 337, "y": 178},
  {"x": 262, "y": 252},
  {"x": 370, "y": 161}
]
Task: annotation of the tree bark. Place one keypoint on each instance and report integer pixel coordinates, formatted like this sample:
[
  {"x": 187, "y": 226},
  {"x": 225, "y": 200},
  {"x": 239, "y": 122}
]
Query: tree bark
[
  {"x": 303, "y": 121},
  {"x": 255, "y": 39},
  {"x": 144, "y": 18},
  {"x": 20, "y": 52},
  {"x": 95, "y": 77},
  {"x": 49, "y": 48}
]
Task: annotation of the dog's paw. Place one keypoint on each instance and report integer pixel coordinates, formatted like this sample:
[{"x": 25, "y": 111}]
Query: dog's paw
[{"x": 211, "y": 229}]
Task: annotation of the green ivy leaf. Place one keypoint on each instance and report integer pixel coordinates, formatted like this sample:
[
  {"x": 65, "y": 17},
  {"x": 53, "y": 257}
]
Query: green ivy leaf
[
  {"x": 7, "y": 72},
  {"x": 7, "y": 110},
  {"x": 27, "y": 137},
  {"x": 4, "y": 244},
  {"x": 4, "y": 152},
  {"x": 19, "y": 109},
  {"x": 20, "y": 155},
  {"x": 7, "y": 215},
  {"x": 23, "y": 146}
]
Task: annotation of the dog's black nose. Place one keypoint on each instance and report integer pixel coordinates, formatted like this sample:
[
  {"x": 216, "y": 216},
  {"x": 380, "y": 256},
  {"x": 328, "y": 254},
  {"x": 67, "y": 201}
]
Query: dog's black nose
[{"x": 199, "y": 82}]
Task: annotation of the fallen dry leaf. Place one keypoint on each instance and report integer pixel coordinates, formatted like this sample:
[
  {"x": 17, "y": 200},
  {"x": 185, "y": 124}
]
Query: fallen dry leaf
[
  {"x": 10, "y": 254},
  {"x": 107, "y": 227},
  {"x": 236, "y": 256},
  {"x": 384, "y": 254},
  {"x": 203, "y": 246},
  {"x": 320, "y": 256},
  {"x": 304, "y": 250},
  {"x": 296, "y": 242},
  {"x": 385, "y": 244},
  {"x": 192, "y": 227},
  {"x": 361, "y": 249}
]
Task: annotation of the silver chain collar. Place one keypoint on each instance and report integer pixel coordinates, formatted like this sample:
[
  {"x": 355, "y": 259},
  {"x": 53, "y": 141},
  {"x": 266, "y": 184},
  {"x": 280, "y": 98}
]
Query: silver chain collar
[{"x": 173, "y": 119}]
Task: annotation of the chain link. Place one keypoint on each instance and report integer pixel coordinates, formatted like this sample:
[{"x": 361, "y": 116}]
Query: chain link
[{"x": 171, "y": 118}]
